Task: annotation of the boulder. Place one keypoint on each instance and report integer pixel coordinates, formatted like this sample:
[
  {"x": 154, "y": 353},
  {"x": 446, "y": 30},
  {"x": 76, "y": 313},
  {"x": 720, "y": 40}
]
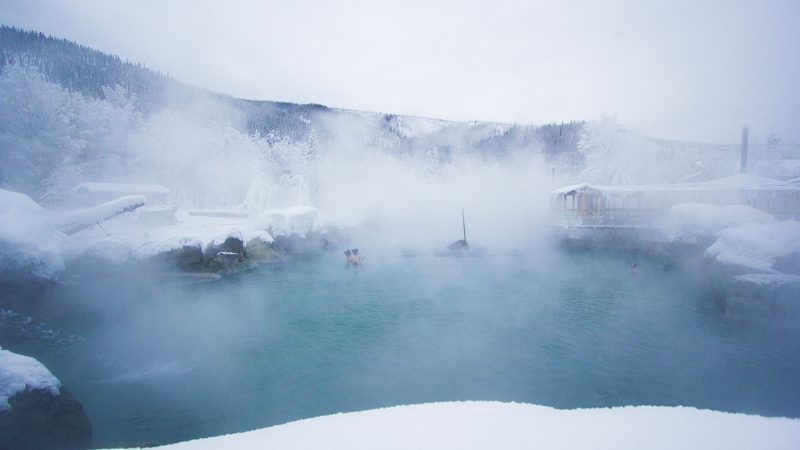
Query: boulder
[
  {"x": 231, "y": 244},
  {"x": 36, "y": 411},
  {"x": 305, "y": 244},
  {"x": 262, "y": 250},
  {"x": 228, "y": 263},
  {"x": 185, "y": 257},
  {"x": 174, "y": 253},
  {"x": 39, "y": 420}
]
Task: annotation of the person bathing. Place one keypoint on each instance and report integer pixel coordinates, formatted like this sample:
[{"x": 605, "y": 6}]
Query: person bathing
[{"x": 354, "y": 258}]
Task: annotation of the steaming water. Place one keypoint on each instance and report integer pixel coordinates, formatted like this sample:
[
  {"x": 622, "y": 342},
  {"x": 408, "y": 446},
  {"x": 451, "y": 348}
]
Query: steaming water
[{"x": 154, "y": 363}]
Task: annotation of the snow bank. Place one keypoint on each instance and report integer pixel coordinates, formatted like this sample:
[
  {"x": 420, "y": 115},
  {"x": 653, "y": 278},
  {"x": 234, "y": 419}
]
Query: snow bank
[
  {"x": 695, "y": 222},
  {"x": 494, "y": 425},
  {"x": 757, "y": 246},
  {"x": 244, "y": 234},
  {"x": 113, "y": 249},
  {"x": 162, "y": 246},
  {"x": 295, "y": 219},
  {"x": 19, "y": 373},
  {"x": 28, "y": 241},
  {"x": 769, "y": 279}
]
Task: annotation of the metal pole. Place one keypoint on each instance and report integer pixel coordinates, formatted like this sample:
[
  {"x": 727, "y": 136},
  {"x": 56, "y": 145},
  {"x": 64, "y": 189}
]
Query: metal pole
[
  {"x": 743, "y": 167},
  {"x": 463, "y": 224}
]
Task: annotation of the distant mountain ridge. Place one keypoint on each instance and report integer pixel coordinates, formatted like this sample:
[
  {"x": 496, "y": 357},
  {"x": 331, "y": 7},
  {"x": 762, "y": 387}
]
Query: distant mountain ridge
[{"x": 82, "y": 69}]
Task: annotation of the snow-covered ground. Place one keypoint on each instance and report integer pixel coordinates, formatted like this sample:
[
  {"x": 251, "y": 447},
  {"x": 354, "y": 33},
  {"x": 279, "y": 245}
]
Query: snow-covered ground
[
  {"x": 19, "y": 373},
  {"x": 129, "y": 237},
  {"x": 31, "y": 240},
  {"x": 495, "y": 425}
]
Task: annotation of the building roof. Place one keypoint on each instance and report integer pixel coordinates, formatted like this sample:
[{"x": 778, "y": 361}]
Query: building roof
[{"x": 734, "y": 182}]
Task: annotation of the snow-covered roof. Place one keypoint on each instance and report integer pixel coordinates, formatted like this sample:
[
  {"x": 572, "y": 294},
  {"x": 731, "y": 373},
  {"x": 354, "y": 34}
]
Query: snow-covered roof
[
  {"x": 733, "y": 182},
  {"x": 122, "y": 188},
  {"x": 744, "y": 180}
]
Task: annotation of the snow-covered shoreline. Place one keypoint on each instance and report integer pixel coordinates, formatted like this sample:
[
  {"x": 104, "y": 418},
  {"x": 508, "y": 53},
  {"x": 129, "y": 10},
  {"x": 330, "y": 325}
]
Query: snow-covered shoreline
[{"x": 484, "y": 425}]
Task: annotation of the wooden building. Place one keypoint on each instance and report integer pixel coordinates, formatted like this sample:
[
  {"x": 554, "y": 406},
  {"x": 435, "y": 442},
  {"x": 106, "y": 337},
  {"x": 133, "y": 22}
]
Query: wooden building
[{"x": 647, "y": 206}]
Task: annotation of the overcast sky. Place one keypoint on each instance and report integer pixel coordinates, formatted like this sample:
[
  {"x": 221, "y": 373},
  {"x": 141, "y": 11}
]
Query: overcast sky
[{"x": 692, "y": 70}]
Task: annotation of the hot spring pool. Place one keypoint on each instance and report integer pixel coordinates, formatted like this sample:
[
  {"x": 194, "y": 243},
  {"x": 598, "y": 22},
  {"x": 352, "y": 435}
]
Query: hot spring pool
[{"x": 155, "y": 363}]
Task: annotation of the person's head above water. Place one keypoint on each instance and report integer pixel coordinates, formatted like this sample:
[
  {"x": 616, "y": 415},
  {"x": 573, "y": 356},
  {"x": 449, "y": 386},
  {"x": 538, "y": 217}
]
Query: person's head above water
[{"x": 347, "y": 252}]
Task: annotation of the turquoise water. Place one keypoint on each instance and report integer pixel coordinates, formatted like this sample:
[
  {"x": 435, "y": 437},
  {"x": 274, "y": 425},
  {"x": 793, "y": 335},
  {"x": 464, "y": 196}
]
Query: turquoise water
[{"x": 154, "y": 363}]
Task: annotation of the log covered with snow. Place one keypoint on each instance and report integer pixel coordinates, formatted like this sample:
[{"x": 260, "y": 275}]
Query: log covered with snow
[{"x": 74, "y": 221}]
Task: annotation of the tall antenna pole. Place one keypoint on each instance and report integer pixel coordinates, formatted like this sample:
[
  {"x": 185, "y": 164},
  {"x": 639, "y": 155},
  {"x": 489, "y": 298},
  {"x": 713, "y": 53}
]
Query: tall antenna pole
[
  {"x": 463, "y": 224},
  {"x": 743, "y": 166}
]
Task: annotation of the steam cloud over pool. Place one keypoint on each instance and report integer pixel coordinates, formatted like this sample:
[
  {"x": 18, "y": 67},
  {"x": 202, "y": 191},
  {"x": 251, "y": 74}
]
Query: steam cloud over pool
[{"x": 159, "y": 364}]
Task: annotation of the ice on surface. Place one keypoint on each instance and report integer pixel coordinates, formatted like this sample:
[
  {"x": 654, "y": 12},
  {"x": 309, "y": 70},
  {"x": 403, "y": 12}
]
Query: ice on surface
[
  {"x": 28, "y": 240},
  {"x": 19, "y": 373},
  {"x": 484, "y": 425}
]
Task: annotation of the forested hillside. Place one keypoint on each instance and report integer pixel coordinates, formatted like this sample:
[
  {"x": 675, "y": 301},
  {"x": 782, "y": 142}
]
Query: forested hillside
[{"x": 70, "y": 113}]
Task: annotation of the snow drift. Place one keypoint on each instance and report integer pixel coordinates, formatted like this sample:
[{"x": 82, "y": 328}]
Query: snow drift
[
  {"x": 757, "y": 245},
  {"x": 29, "y": 244},
  {"x": 696, "y": 222},
  {"x": 483, "y": 425}
]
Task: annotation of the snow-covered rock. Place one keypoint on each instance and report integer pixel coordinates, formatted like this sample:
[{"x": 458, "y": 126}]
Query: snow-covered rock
[
  {"x": 263, "y": 248},
  {"x": 36, "y": 412},
  {"x": 757, "y": 246},
  {"x": 174, "y": 252},
  {"x": 29, "y": 243},
  {"x": 295, "y": 219},
  {"x": 495, "y": 425},
  {"x": 19, "y": 373},
  {"x": 699, "y": 222}
]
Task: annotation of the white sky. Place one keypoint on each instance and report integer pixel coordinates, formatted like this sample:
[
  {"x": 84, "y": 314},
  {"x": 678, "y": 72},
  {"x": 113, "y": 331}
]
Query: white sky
[{"x": 681, "y": 69}]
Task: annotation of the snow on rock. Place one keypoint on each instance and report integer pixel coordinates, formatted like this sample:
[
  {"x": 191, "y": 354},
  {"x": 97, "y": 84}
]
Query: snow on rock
[
  {"x": 166, "y": 245},
  {"x": 295, "y": 219},
  {"x": 693, "y": 222},
  {"x": 19, "y": 373},
  {"x": 28, "y": 241},
  {"x": 757, "y": 245},
  {"x": 485, "y": 425}
]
